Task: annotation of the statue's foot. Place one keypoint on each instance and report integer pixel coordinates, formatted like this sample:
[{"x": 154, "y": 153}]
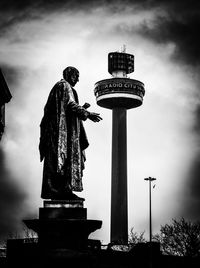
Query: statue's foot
[
  {"x": 66, "y": 196},
  {"x": 57, "y": 197},
  {"x": 76, "y": 197},
  {"x": 71, "y": 196}
]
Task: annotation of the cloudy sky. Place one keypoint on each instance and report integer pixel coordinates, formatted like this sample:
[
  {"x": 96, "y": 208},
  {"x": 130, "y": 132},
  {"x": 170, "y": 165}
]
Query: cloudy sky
[{"x": 38, "y": 40}]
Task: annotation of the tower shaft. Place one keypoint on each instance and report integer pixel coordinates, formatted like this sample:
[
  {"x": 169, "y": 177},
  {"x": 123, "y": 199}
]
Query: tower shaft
[
  {"x": 119, "y": 211},
  {"x": 119, "y": 93}
]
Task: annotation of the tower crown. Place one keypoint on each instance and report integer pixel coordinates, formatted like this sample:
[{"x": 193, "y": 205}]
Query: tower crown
[{"x": 119, "y": 61}]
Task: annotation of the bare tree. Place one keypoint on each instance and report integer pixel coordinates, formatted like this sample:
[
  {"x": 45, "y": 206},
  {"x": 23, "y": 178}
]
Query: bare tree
[
  {"x": 181, "y": 238},
  {"x": 24, "y": 233},
  {"x": 135, "y": 238}
]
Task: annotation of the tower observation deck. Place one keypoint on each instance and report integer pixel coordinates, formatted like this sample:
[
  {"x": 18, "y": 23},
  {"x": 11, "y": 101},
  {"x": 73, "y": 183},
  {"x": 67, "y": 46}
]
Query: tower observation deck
[{"x": 119, "y": 93}]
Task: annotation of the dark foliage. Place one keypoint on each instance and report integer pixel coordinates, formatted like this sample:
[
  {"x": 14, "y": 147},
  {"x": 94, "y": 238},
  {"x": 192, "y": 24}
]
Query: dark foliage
[{"x": 180, "y": 238}]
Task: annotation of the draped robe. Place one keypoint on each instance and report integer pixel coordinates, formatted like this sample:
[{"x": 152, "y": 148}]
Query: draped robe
[{"x": 62, "y": 141}]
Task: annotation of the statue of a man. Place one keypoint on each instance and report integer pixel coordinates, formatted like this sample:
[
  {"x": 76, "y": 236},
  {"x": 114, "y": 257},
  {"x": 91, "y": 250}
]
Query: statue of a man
[{"x": 63, "y": 139}]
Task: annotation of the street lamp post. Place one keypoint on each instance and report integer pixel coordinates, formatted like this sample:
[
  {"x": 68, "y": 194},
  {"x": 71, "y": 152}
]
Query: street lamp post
[{"x": 150, "y": 221}]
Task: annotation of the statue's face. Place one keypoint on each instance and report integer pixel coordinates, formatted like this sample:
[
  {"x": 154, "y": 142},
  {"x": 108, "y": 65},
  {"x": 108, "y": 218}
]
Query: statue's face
[{"x": 72, "y": 77}]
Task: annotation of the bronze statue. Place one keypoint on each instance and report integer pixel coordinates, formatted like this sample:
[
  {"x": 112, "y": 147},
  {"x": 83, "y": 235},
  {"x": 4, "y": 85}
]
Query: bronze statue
[{"x": 63, "y": 139}]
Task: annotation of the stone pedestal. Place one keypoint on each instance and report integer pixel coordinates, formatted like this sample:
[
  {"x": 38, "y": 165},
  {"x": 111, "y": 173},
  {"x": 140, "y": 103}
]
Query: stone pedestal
[{"x": 63, "y": 224}]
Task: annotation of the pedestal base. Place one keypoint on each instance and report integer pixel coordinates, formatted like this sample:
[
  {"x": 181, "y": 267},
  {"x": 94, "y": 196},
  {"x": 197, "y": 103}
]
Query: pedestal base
[
  {"x": 63, "y": 233},
  {"x": 63, "y": 224}
]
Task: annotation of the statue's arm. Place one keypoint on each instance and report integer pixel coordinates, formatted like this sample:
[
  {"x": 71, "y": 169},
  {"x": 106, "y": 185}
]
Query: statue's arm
[
  {"x": 73, "y": 106},
  {"x": 80, "y": 111}
]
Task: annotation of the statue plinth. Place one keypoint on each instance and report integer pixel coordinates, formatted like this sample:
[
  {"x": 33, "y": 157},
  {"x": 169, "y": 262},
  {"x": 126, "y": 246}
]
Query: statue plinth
[
  {"x": 59, "y": 209},
  {"x": 63, "y": 224}
]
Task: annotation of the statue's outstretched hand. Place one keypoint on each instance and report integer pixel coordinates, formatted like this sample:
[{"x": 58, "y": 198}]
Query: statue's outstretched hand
[{"x": 94, "y": 117}]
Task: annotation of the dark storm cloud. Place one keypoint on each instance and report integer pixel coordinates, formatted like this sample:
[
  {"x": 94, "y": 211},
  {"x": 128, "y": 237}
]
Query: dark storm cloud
[
  {"x": 176, "y": 22},
  {"x": 180, "y": 27},
  {"x": 12, "y": 5},
  {"x": 11, "y": 199},
  {"x": 12, "y": 75},
  {"x": 179, "y": 24},
  {"x": 13, "y": 12},
  {"x": 27, "y": 7}
]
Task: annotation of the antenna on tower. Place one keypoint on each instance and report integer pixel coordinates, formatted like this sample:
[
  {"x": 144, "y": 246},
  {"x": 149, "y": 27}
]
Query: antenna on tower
[{"x": 123, "y": 49}]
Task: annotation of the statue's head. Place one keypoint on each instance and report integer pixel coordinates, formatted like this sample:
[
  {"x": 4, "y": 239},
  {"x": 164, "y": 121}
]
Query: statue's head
[{"x": 71, "y": 75}]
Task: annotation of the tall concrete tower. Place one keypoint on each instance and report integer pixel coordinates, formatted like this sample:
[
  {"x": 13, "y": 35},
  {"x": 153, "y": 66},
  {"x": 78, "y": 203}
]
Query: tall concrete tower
[{"x": 119, "y": 93}]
